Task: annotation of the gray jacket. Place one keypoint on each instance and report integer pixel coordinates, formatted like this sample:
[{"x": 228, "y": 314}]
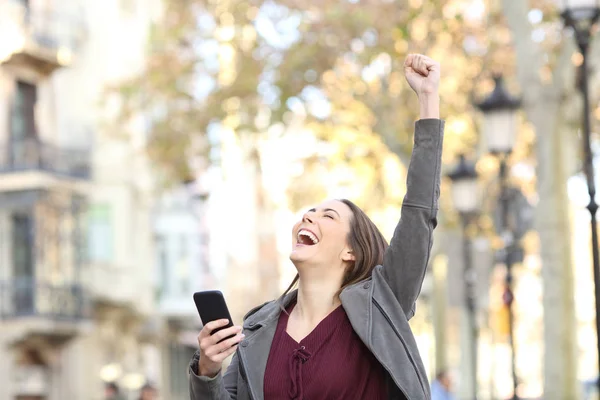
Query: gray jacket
[{"x": 378, "y": 308}]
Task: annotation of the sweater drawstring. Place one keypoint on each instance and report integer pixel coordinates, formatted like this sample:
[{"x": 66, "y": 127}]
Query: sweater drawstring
[{"x": 299, "y": 357}]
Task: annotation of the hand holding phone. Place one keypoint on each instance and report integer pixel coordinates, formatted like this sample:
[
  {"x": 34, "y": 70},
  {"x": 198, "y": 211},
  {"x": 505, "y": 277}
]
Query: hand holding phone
[{"x": 219, "y": 338}]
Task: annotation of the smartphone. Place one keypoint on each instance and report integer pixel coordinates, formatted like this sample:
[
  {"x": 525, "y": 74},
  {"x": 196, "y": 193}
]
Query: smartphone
[{"x": 211, "y": 307}]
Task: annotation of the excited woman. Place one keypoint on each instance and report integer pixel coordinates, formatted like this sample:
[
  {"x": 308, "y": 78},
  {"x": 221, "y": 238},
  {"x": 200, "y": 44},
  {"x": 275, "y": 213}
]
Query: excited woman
[{"x": 344, "y": 332}]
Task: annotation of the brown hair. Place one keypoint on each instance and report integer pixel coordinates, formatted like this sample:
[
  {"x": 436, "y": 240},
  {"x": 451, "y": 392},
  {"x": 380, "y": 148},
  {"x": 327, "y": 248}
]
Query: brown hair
[{"x": 367, "y": 244}]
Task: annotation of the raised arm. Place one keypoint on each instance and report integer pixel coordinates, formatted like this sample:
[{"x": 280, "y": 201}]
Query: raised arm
[{"x": 405, "y": 260}]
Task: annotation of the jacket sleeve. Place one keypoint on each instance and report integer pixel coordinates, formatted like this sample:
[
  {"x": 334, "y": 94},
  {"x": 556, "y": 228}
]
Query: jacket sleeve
[
  {"x": 217, "y": 388},
  {"x": 405, "y": 260}
]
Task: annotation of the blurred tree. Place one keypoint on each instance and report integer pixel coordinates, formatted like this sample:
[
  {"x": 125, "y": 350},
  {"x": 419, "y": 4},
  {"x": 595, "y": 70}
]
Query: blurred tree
[
  {"x": 249, "y": 65},
  {"x": 345, "y": 71}
]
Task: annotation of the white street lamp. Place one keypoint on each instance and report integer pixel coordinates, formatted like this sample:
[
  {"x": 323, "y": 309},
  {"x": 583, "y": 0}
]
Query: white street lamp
[
  {"x": 464, "y": 187},
  {"x": 500, "y": 113}
]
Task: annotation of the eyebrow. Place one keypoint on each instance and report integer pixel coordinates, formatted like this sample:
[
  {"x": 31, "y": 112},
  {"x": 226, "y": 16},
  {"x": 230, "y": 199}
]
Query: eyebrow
[{"x": 325, "y": 210}]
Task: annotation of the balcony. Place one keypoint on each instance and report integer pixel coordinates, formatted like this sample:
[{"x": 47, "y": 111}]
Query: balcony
[
  {"x": 119, "y": 286},
  {"x": 34, "y": 164},
  {"x": 39, "y": 309},
  {"x": 35, "y": 155},
  {"x": 41, "y": 38},
  {"x": 179, "y": 307}
]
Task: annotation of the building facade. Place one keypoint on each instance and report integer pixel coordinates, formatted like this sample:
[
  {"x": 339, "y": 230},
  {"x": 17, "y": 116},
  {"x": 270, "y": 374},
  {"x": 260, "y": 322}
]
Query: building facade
[
  {"x": 76, "y": 244},
  {"x": 97, "y": 270}
]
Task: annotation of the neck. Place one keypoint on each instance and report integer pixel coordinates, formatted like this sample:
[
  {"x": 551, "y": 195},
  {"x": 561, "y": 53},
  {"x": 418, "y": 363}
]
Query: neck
[{"x": 316, "y": 298}]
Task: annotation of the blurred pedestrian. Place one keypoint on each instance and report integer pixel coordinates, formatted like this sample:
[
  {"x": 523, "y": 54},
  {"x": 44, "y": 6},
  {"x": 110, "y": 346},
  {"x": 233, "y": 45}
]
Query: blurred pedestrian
[
  {"x": 112, "y": 392},
  {"x": 148, "y": 392},
  {"x": 441, "y": 387},
  {"x": 344, "y": 332}
]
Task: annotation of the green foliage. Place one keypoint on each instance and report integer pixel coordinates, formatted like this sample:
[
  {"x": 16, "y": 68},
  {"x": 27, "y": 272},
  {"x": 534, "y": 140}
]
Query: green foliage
[{"x": 336, "y": 68}]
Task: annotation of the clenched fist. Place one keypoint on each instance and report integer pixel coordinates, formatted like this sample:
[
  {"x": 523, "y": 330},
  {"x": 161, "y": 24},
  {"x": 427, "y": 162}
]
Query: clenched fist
[{"x": 422, "y": 74}]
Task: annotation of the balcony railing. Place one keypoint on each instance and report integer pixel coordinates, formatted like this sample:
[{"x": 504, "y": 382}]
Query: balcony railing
[
  {"x": 27, "y": 30},
  {"x": 34, "y": 155},
  {"x": 31, "y": 298},
  {"x": 118, "y": 285}
]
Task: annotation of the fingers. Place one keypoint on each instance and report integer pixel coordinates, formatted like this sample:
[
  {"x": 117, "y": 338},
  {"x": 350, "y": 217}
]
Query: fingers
[
  {"x": 223, "y": 355},
  {"x": 420, "y": 64},
  {"x": 211, "y": 326},
  {"x": 217, "y": 352},
  {"x": 224, "y": 346},
  {"x": 409, "y": 61},
  {"x": 209, "y": 344},
  {"x": 217, "y": 337},
  {"x": 211, "y": 362}
]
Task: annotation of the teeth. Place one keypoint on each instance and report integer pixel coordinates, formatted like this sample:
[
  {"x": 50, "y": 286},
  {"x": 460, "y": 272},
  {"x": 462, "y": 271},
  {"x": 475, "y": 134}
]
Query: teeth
[{"x": 308, "y": 234}]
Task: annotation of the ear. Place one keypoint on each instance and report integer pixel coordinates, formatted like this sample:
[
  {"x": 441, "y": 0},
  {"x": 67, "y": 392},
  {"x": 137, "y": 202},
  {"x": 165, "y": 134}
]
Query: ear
[{"x": 348, "y": 255}]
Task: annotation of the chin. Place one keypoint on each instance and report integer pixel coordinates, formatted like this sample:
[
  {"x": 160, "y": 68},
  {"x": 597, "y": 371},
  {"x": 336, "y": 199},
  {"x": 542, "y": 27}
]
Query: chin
[
  {"x": 303, "y": 254},
  {"x": 299, "y": 256},
  {"x": 294, "y": 257}
]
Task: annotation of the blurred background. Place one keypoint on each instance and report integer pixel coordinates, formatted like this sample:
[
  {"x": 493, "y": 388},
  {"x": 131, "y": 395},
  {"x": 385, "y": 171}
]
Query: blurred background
[{"x": 150, "y": 149}]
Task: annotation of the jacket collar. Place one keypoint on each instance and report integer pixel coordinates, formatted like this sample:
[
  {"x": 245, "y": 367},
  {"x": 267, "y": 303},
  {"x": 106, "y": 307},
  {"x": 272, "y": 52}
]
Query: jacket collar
[{"x": 268, "y": 312}]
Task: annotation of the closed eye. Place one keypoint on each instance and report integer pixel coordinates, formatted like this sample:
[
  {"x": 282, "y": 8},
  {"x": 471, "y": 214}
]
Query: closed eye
[{"x": 312, "y": 210}]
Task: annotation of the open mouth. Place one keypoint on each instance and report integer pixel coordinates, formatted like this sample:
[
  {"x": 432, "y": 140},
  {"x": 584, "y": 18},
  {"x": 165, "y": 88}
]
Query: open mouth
[{"x": 307, "y": 238}]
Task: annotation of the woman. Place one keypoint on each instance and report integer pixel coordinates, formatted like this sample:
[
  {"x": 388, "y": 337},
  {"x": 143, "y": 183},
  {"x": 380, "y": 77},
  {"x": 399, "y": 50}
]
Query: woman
[{"x": 344, "y": 333}]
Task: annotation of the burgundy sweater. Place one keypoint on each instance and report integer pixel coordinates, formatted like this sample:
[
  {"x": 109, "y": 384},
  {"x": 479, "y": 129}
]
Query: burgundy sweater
[{"x": 330, "y": 363}]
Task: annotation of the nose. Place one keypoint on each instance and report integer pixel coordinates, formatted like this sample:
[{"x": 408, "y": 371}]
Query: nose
[{"x": 306, "y": 218}]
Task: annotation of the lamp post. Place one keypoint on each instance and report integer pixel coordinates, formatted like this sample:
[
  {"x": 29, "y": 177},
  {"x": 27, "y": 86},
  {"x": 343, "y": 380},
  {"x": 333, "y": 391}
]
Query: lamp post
[
  {"x": 465, "y": 198},
  {"x": 500, "y": 131},
  {"x": 581, "y": 15}
]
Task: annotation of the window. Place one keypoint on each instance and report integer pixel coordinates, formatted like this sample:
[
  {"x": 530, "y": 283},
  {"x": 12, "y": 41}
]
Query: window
[
  {"x": 100, "y": 233},
  {"x": 173, "y": 264},
  {"x": 22, "y": 126},
  {"x": 23, "y": 116},
  {"x": 22, "y": 262},
  {"x": 22, "y": 245},
  {"x": 183, "y": 266},
  {"x": 163, "y": 265}
]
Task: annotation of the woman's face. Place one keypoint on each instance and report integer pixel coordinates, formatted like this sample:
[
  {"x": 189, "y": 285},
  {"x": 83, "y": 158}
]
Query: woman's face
[{"x": 321, "y": 236}]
